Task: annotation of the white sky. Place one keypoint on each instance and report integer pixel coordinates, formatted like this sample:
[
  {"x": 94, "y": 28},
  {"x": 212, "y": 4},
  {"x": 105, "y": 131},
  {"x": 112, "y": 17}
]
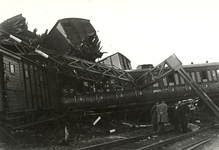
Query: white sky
[{"x": 145, "y": 31}]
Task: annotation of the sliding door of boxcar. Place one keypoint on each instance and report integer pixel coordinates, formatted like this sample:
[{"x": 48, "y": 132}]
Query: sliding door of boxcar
[{"x": 13, "y": 83}]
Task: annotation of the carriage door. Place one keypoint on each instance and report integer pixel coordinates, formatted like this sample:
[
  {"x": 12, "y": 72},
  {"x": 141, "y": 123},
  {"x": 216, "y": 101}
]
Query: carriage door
[
  {"x": 205, "y": 76},
  {"x": 157, "y": 92},
  {"x": 13, "y": 84},
  {"x": 213, "y": 83},
  {"x": 169, "y": 85}
]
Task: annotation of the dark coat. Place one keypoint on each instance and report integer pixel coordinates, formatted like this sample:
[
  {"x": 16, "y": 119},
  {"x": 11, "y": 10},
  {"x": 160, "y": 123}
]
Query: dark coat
[
  {"x": 154, "y": 115},
  {"x": 177, "y": 119},
  {"x": 184, "y": 117},
  {"x": 185, "y": 111},
  {"x": 177, "y": 115}
]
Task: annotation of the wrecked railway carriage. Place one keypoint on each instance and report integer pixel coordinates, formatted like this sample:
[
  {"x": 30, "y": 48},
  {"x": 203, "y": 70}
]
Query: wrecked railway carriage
[
  {"x": 26, "y": 88},
  {"x": 30, "y": 84},
  {"x": 44, "y": 77}
]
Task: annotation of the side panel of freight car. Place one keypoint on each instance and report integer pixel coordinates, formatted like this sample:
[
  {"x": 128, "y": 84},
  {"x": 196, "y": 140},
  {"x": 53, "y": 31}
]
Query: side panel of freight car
[
  {"x": 38, "y": 89},
  {"x": 28, "y": 90},
  {"x": 2, "y": 97},
  {"x": 33, "y": 87},
  {"x": 124, "y": 62},
  {"x": 26, "y": 86},
  {"x": 41, "y": 88},
  {"x": 13, "y": 83},
  {"x": 54, "y": 91},
  {"x": 117, "y": 61}
]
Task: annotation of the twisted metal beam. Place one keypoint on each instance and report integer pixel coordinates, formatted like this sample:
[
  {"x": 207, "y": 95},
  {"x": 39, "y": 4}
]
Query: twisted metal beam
[{"x": 79, "y": 68}]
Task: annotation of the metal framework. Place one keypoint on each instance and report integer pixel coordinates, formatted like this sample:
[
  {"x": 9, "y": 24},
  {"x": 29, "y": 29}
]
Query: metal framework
[
  {"x": 155, "y": 74},
  {"x": 95, "y": 72},
  {"x": 92, "y": 71},
  {"x": 76, "y": 67},
  {"x": 150, "y": 77},
  {"x": 174, "y": 64}
]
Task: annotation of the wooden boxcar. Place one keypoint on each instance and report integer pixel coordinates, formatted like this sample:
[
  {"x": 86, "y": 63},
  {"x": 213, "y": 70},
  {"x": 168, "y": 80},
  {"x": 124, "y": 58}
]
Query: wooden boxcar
[
  {"x": 26, "y": 87},
  {"x": 74, "y": 36},
  {"x": 117, "y": 61}
]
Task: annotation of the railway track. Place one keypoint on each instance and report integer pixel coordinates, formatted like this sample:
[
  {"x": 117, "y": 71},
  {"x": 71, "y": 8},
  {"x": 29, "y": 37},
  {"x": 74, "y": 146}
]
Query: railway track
[
  {"x": 148, "y": 141},
  {"x": 195, "y": 144},
  {"x": 6, "y": 139}
]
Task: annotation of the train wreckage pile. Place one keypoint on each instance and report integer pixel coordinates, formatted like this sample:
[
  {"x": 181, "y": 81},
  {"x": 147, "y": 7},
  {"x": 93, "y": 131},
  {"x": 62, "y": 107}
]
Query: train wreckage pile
[
  {"x": 42, "y": 73},
  {"x": 28, "y": 96},
  {"x": 70, "y": 40},
  {"x": 80, "y": 40}
]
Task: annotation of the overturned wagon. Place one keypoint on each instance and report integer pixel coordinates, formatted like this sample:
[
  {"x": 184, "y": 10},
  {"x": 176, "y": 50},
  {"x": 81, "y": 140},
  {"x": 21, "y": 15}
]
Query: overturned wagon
[
  {"x": 26, "y": 87},
  {"x": 34, "y": 88}
]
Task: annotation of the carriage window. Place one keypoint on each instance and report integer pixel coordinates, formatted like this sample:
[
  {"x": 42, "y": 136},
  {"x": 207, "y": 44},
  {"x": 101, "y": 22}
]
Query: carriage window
[
  {"x": 156, "y": 85},
  {"x": 214, "y": 75},
  {"x": 204, "y": 76},
  {"x": 65, "y": 92},
  {"x": 165, "y": 81},
  {"x": 182, "y": 80},
  {"x": 198, "y": 76},
  {"x": 71, "y": 91},
  {"x": 93, "y": 89},
  {"x": 170, "y": 79},
  {"x": 12, "y": 68},
  {"x": 4, "y": 65},
  {"x": 176, "y": 79},
  {"x": 107, "y": 87},
  {"x": 193, "y": 76},
  {"x": 41, "y": 78},
  {"x": 218, "y": 73},
  {"x": 26, "y": 74},
  {"x": 188, "y": 74},
  {"x": 209, "y": 76}
]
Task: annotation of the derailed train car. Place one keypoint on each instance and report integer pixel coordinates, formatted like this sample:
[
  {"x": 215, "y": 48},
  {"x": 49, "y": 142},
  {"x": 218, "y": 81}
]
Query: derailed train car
[
  {"x": 31, "y": 89},
  {"x": 171, "y": 88},
  {"x": 31, "y": 86},
  {"x": 117, "y": 61},
  {"x": 26, "y": 87},
  {"x": 75, "y": 37}
]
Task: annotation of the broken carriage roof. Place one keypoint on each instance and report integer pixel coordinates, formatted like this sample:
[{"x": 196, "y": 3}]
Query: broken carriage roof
[
  {"x": 75, "y": 32},
  {"x": 17, "y": 26},
  {"x": 19, "y": 21},
  {"x": 74, "y": 36}
]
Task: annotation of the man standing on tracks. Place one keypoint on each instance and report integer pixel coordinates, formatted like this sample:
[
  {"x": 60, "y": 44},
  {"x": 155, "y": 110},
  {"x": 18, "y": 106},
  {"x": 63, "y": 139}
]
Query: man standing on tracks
[
  {"x": 184, "y": 116},
  {"x": 162, "y": 117},
  {"x": 154, "y": 120}
]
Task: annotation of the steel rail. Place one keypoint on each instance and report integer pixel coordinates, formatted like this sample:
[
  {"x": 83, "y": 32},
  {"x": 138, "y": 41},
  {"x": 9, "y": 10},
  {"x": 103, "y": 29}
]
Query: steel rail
[
  {"x": 118, "y": 142},
  {"x": 171, "y": 140},
  {"x": 9, "y": 139},
  {"x": 195, "y": 144},
  {"x": 139, "y": 146}
]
